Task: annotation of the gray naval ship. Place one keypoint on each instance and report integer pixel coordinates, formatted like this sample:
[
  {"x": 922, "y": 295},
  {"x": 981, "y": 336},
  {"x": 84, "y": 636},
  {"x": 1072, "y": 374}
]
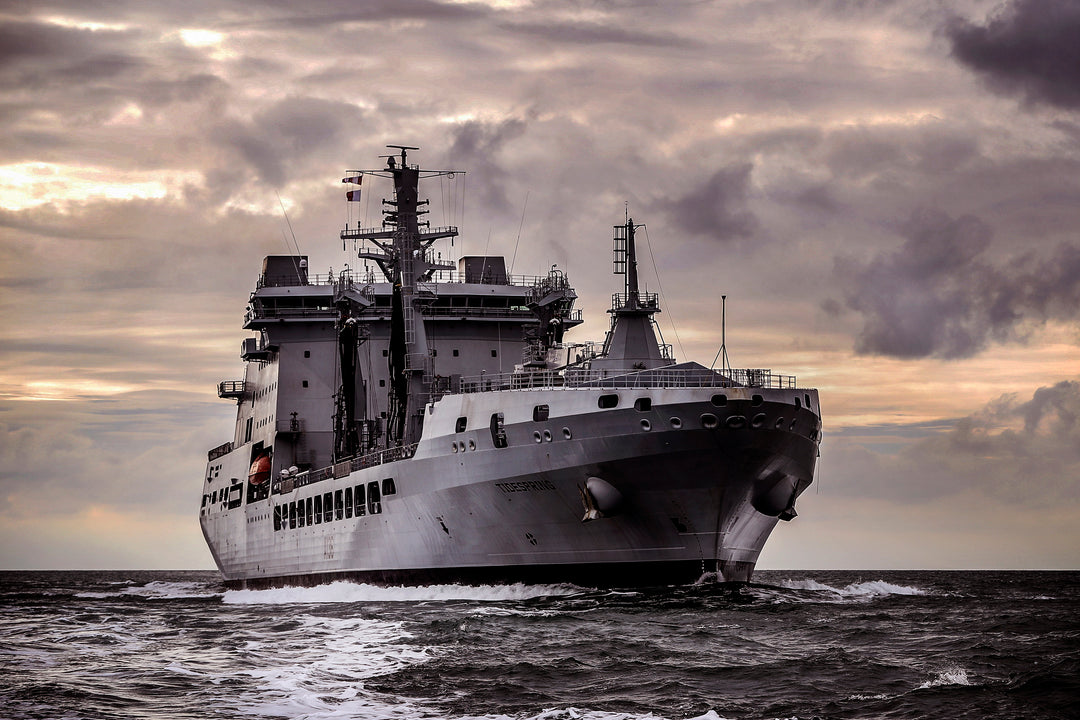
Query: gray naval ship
[{"x": 380, "y": 438}]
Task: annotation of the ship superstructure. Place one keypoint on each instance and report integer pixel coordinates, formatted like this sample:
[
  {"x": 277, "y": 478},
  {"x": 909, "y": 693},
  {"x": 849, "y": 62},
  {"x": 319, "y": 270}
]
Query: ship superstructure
[{"x": 431, "y": 424}]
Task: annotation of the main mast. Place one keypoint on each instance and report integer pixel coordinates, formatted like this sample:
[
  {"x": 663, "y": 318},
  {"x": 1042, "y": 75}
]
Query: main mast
[
  {"x": 403, "y": 254},
  {"x": 631, "y": 342}
]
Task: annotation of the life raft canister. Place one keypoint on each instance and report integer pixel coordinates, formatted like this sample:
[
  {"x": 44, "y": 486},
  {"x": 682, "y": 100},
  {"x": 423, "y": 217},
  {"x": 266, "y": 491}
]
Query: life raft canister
[{"x": 260, "y": 470}]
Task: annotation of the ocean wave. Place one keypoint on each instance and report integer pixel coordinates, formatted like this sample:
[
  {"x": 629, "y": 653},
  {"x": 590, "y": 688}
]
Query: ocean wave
[
  {"x": 156, "y": 590},
  {"x": 349, "y": 592},
  {"x": 954, "y": 675},
  {"x": 868, "y": 589}
]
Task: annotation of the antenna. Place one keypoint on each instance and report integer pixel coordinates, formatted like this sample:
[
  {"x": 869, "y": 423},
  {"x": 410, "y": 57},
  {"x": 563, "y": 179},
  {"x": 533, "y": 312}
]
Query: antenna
[{"x": 725, "y": 364}]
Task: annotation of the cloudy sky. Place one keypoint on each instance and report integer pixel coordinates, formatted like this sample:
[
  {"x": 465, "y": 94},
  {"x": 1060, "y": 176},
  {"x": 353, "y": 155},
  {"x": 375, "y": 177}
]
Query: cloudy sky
[{"x": 887, "y": 192}]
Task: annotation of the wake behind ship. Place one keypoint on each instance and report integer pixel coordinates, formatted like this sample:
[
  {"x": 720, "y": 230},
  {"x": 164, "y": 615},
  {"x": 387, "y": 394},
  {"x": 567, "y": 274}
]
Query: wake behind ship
[{"x": 378, "y": 438}]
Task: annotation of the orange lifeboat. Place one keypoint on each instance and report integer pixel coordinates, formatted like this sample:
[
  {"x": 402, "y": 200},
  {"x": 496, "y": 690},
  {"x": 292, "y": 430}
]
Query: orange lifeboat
[{"x": 260, "y": 470}]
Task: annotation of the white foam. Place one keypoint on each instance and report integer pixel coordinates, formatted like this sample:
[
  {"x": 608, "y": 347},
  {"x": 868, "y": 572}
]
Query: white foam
[
  {"x": 348, "y": 592},
  {"x": 159, "y": 590},
  {"x": 950, "y": 676},
  {"x": 872, "y": 588}
]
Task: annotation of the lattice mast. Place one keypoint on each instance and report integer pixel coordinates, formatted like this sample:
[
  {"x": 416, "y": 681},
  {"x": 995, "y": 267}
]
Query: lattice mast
[{"x": 402, "y": 252}]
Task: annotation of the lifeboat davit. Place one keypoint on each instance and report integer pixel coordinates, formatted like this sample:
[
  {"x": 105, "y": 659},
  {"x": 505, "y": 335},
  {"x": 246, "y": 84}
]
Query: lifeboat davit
[{"x": 260, "y": 470}]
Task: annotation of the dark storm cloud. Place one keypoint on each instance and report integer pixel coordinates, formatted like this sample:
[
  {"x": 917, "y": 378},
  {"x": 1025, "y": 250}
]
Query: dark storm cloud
[
  {"x": 940, "y": 295},
  {"x": 1030, "y": 48},
  {"x": 280, "y": 142},
  {"x": 1022, "y": 452},
  {"x": 39, "y": 54},
  {"x": 323, "y": 13},
  {"x": 718, "y": 208},
  {"x": 476, "y": 146}
]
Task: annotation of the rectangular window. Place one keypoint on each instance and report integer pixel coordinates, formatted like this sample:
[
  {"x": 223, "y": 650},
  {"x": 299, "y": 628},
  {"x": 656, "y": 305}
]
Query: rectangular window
[
  {"x": 643, "y": 404},
  {"x": 456, "y": 353},
  {"x": 328, "y": 507},
  {"x": 309, "y": 518},
  {"x": 348, "y": 502},
  {"x": 540, "y": 413},
  {"x": 494, "y": 353},
  {"x": 388, "y": 487},
  {"x": 304, "y": 383},
  {"x": 339, "y": 508},
  {"x": 247, "y": 430},
  {"x": 358, "y": 498},
  {"x": 277, "y": 517},
  {"x": 461, "y": 423},
  {"x": 498, "y": 433},
  {"x": 318, "y": 509},
  {"x": 292, "y": 515},
  {"x": 606, "y": 402},
  {"x": 300, "y": 513},
  {"x": 307, "y": 353},
  {"x": 373, "y": 504}
]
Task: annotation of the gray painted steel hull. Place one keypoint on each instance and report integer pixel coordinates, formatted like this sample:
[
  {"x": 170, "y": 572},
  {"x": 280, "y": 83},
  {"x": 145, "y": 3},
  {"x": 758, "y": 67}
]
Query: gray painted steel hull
[{"x": 699, "y": 493}]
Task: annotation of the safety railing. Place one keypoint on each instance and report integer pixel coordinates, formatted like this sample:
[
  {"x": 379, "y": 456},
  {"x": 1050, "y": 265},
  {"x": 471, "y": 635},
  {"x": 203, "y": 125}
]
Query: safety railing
[{"x": 658, "y": 378}]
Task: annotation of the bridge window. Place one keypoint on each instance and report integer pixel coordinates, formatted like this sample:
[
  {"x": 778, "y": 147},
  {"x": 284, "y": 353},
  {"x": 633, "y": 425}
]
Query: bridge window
[
  {"x": 373, "y": 501},
  {"x": 359, "y": 506}
]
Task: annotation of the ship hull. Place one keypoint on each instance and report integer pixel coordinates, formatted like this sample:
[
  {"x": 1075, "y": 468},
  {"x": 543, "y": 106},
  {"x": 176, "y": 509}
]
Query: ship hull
[{"x": 691, "y": 488}]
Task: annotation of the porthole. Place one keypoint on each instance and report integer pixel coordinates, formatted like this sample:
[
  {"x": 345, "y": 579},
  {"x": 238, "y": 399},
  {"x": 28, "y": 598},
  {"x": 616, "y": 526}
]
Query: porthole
[
  {"x": 736, "y": 421},
  {"x": 757, "y": 401},
  {"x": 719, "y": 400},
  {"x": 547, "y": 436},
  {"x": 643, "y": 404},
  {"x": 646, "y": 425},
  {"x": 606, "y": 402},
  {"x": 472, "y": 444},
  {"x": 676, "y": 422},
  {"x": 454, "y": 445},
  {"x": 792, "y": 425},
  {"x": 537, "y": 437},
  {"x": 709, "y": 421},
  {"x": 758, "y": 420},
  {"x": 779, "y": 423},
  {"x": 566, "y": 433}
]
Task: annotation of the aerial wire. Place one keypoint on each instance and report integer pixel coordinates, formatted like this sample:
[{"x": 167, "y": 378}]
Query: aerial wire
[
  {"x": 520, "y": 225},
  {"x": 660, "y": 285}
]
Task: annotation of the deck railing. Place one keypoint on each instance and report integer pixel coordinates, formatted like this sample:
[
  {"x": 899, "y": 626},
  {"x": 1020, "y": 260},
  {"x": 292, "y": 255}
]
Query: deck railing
[
  {"x": 378, "y": 457},
  {"x": 657, "y": 378}
]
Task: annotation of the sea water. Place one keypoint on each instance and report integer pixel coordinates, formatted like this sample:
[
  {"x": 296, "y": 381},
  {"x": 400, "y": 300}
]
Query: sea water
[{"x": 792, "y": 645}]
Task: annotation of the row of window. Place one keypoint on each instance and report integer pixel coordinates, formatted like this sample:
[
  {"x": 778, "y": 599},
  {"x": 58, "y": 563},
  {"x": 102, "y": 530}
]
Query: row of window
[{"x": 351, "y": 502}]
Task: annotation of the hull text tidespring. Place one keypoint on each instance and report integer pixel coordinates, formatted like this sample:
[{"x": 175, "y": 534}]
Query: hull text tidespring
[{"x": 378, "y": 439}]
